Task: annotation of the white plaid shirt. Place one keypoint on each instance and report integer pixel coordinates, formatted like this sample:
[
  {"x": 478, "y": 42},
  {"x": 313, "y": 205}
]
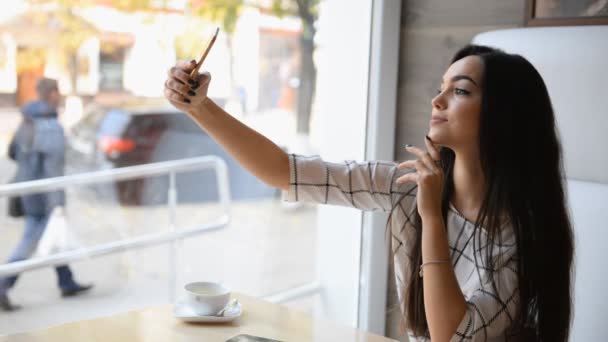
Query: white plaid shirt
[{"x": 371, "y": 186}]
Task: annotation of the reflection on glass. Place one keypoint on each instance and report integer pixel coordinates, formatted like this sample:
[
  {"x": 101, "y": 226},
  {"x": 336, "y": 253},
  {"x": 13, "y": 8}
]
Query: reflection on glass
[
  {"x": 112, "y": 57},
  {"x": 570, "y": 8}
]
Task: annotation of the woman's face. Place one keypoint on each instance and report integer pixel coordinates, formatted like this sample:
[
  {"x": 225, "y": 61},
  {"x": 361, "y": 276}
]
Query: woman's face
[{"x": 457, "y": 106}]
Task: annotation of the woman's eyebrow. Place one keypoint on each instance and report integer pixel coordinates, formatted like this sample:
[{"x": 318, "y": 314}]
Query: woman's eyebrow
[{"x": 463, "y": 77}]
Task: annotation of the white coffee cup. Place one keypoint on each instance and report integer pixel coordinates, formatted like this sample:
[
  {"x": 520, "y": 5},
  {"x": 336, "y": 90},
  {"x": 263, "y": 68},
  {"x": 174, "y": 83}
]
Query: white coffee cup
[{"x": 206, "y": 298}]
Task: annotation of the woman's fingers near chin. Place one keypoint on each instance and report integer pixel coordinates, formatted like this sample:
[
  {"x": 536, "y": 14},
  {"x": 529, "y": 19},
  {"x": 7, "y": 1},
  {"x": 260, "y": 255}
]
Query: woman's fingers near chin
[
  {"x": 429, "y": 162},
  {"x": 408, "y": 164},
  {"x": 414, "y": 150},
  {"x": 410, "y": 177},
  {"x": 405, "y": 165},
  {"x": 432, "y": 148}
]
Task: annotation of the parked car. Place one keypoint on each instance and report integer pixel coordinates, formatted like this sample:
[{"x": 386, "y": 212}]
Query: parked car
[{"x": 135, "y": 134}]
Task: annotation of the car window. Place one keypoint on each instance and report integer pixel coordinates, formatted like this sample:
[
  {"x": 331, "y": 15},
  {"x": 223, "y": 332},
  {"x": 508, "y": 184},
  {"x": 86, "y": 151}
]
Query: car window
[
  {"x": 147, "y": 124},
  {"x": 114, "y": 123},
  {"x": 181, "y": 122},
  {"x": 89, "y": 122}
]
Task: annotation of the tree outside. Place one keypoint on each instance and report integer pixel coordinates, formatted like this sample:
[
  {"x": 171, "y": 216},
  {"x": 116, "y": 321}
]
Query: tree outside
[{"x": 227, "y": 12}]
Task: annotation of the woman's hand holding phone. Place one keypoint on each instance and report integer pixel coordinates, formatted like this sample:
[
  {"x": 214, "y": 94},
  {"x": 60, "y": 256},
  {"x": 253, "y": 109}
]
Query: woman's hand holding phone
[
  {"x": 185, "y": 93},
  {"x": 185, "y": 88}
]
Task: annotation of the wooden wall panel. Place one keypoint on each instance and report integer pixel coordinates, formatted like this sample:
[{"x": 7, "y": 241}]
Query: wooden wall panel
[{"x": 444, "y": 13}]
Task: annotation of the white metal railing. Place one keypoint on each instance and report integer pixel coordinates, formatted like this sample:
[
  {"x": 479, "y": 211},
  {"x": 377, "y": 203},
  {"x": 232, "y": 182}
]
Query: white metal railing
[
  {"x": 125, "y": 173},
  {"x": 169, "y": 167}
]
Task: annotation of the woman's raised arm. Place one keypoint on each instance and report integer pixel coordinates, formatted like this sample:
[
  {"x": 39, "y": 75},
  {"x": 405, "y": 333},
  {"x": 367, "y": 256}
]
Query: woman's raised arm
[{"x": 253, "y": 151}]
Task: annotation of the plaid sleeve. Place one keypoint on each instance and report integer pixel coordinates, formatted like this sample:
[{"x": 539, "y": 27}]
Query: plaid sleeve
[
  {"x": 491, "y": 312},
  {"x": 367, "y": 185}
]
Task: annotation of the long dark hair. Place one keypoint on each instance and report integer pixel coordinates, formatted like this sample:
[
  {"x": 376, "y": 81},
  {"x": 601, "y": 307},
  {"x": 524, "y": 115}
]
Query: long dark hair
[{"x": 521, "y": 160}]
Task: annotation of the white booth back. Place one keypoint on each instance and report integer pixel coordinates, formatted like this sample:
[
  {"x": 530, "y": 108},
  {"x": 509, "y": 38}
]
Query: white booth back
[{"x": 573, "y": 61}]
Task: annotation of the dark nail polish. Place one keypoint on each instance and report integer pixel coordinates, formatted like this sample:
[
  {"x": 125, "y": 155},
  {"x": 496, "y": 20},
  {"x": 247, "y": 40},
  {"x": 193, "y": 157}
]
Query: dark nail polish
[
  {"x": 191, "y": 82},
  {"x": 191, "y": 93},
  {"x": 187, "y": 100},
  {"x": 194, "y": 85}
]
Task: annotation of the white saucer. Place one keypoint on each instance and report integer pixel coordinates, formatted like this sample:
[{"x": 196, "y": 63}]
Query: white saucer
[{"x": 183, "y": 312}]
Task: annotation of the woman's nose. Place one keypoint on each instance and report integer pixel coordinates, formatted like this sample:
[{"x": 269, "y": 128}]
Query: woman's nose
[{"x": 438, "y": 102}]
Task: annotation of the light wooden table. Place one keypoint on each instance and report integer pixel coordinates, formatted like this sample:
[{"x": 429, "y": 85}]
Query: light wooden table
[{"x": 259, "y": 318}]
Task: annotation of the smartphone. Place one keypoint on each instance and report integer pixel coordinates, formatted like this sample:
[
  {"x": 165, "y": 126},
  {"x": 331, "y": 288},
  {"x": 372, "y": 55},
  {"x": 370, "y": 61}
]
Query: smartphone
[
  {"x": 202, "y": 59},
  {"x": 250, "y": 338}
]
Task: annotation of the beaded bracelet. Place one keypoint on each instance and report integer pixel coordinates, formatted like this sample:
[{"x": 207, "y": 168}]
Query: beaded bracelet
[{"x": 430, "y": 263}]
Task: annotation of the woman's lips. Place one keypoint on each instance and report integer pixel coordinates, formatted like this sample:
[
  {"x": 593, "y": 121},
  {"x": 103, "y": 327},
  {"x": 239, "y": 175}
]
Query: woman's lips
[{"x": 437, "y": 121}]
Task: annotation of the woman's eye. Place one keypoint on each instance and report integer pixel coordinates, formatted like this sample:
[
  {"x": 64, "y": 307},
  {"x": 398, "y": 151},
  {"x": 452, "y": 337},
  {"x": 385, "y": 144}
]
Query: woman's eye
[{"x": 459, "y": 91}]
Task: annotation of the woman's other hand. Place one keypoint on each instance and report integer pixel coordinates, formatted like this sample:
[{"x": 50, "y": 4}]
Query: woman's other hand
[
  {"x": 428, "y": 175},
  {"x": 184, "y": 93}
]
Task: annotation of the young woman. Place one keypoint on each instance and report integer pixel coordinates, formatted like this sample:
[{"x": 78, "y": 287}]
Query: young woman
[{"x": 481, "y": 236}]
